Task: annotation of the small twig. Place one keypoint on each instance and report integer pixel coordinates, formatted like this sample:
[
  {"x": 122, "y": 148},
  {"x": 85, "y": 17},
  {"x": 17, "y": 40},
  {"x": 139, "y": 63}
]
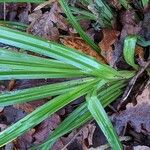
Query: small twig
[{"x": 131, "y": 85}]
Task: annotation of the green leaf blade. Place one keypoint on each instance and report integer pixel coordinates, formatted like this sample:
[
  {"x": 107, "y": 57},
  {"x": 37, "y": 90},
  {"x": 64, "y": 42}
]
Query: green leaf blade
[
  {"x": 129, "y": 50},
  {"x": 103, "y": 121}
]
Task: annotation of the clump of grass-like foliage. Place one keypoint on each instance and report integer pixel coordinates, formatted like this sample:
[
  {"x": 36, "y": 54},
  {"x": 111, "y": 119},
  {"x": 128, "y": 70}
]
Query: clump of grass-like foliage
[{"x": 99, "y": 83}]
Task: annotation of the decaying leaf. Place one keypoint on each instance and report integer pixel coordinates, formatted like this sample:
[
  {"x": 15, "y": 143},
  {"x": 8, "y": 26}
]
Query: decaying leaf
[
  {"x": 47, "y": 25},
  {"x": 140, "y": 53},
  {"x": 140, "y": 147},
  {"x": 145, "y": 31},
  {"x": 83, "y": 138},
  {"x": 82, "y": 46},
  {"x": 25, "y": 141},
  {"x": 45, "y": 128},
  {"x": 30, "y": 106},
  {"x": 109, "y": 38},
  {"x": 130, "y": 24},
  {"x": 137, "y": 116},
  {"x": 18, "y": 12},
  {"x": 11, "y": 85}
]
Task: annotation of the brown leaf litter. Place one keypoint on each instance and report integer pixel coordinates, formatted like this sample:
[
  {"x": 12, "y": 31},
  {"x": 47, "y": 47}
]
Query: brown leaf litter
[
  {"x": 18, "y": 12},
  {"x": 47, "y": 25},
  {"x": 79, "y": 44},
  {"x": 38, "y": 134},
  {"x": 137, "y": 116},
  {"x": 82, "y": 138},
  {"x": 110, "y": 36}
]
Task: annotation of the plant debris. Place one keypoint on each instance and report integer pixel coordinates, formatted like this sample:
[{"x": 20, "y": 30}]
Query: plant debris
[{"x": 136, "y": 116}]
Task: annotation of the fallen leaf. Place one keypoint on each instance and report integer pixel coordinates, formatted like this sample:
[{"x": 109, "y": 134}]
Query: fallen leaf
[
  {"x": 47, "y": 25},
  {"x": 139, "y": 51},
  {"x": 79, "y": 44},
  {"x": 18, "y": 12},
  {"x": 11, "y": 85},
  {"x": 130, "y": 24},
  {"x": 3, "y": 127},
  {"x": 45, "y": 128},
  {"x": 25, "y": 141},
  {"x": 30, "y": 106},
  {"x": 145, "y": 31},
  {"x": 83, "y": 138},
  {"x": 137, "y": 116},
  {"x": 12, "y": 114},
  {"x": 140, "y": 147},
  {"x": 110, "y": 36}
]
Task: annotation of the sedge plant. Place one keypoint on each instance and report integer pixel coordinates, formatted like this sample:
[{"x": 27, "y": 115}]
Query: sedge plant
[{"x": 97, "y": 82}]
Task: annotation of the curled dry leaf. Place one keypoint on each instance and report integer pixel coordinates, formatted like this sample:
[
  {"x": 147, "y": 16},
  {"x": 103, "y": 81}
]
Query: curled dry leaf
[
  {"x": 11, "y": 85},
  {"x": 79, "y": 44},
  {"x": 47, "y": 25},
  {"x": 110, "y": 36},
  {"x": 137, "y": 116}
]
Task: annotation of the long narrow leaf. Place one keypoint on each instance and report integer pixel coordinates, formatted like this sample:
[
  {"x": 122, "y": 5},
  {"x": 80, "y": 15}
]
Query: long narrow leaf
[
  {"x": 77, "y": 26},
  {"x": 42, "y": 113},
  {"x": 11, "y": 57},
  {"x": 38, "y": 74},
  {"x": 99, "y": 114},
  {"x": 125, "y": 4},
  {"x": 36, "y": 93},
  {"x": 81, "y": 115},
  {"x": 14, "y": 25},
  {"x": 67, "y": 55},
  {"x": 145, "y": 3},
  {"x": 129, "y": 50}
]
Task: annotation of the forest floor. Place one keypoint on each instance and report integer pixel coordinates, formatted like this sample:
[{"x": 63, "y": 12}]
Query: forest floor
[{"x": 131, "y": 120}]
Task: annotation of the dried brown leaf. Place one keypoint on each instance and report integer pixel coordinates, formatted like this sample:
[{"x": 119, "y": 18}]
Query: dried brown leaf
[
  {"x": 45, "y": 128},
  {"x": 11, "y": 85},
  {"x": 25, "y": 141},
  {"x": 137, "y": 116},
  {"x": 29, "y": 107},
  {"x": 47, "y": 25},
  {"x": 82, "y": 138},
  {"x": 79, "y": 44},
  {"x": 130, "y": 23},
  {"x": 110, "y": 36}
]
